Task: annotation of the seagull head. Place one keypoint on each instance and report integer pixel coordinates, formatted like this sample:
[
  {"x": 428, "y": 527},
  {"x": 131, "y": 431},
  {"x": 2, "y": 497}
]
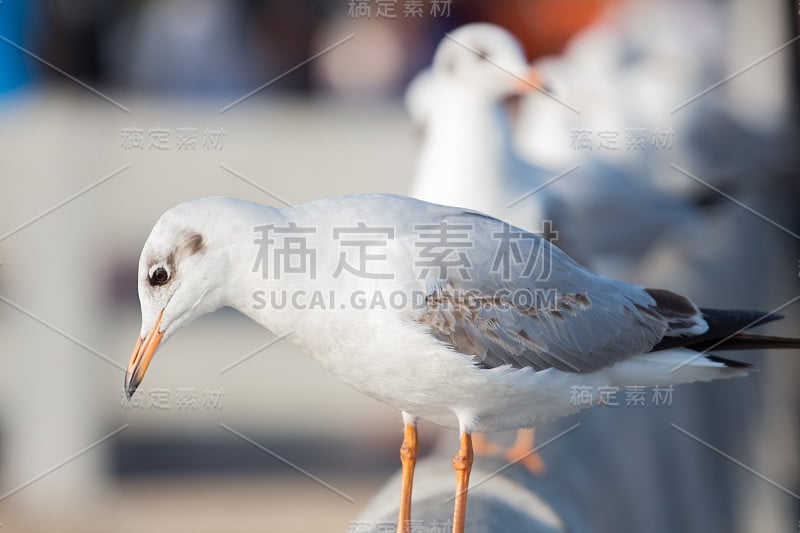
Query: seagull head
[
  {"x": 181, "y": 273},
  {"x": 485, "y": 58}
]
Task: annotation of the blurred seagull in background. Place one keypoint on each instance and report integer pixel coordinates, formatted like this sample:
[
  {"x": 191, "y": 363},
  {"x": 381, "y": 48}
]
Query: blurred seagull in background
[
  {"x": 627, "y": 71},
  {"x": 469, "y": 157},
  {"x": 466, "y": 342}
]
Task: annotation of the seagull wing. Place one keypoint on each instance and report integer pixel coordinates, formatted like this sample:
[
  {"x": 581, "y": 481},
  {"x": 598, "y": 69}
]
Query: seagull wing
[{"x": 525, "y": 303}]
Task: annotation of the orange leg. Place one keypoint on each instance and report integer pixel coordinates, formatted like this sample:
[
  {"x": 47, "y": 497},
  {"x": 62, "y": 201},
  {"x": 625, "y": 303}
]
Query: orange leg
[
  {"x": 408, "y": 458},
  {"x": 483, "y": 446},
  {"x": 462, "y": 463},
  {"x": 522, "y": 451}
]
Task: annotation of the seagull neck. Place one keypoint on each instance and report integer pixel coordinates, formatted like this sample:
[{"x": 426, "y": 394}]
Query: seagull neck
[
  {"x": 249, "y": 256},
  {"x": 469, "y": 139}
]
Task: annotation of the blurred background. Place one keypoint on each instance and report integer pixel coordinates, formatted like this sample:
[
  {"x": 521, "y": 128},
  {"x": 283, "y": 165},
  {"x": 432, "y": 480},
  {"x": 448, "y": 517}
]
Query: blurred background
[{"x": 112, "y": 112}]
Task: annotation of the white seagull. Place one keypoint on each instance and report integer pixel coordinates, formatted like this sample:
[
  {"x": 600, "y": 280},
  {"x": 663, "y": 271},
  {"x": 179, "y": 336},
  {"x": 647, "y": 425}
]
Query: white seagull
[
  {"x": 468, "y": 158},
  {"x": 445, "y": 314}
]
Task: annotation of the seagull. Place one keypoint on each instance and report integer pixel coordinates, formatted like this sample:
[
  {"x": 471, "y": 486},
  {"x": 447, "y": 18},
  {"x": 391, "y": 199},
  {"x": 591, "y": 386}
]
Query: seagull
[
  {"x": 628, "y": 69},
  {"x": 468, "y": 158},
  {"x": 446, "y": 314}
]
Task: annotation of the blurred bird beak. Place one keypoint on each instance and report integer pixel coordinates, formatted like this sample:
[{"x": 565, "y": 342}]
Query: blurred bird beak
[
  {"x": 142, "y": 354},
  {"x": 532, "y": 81}
]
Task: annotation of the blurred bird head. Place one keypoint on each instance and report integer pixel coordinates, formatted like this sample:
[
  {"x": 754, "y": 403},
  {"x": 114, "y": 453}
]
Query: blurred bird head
[
  {"x": 485, "y": 58},
  {"x": 179, "y": 279}
]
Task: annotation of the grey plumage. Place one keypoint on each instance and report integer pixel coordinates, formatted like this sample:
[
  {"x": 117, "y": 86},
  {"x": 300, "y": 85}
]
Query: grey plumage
[{"x": 533, "y": 306}]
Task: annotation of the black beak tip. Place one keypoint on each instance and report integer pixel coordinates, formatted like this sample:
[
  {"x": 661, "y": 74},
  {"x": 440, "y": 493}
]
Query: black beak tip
[{"x": 131, "y": 384}]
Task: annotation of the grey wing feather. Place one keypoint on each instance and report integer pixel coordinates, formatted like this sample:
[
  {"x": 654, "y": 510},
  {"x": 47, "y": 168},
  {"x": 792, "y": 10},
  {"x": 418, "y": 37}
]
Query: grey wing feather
[{"x": 570, "y": 319}]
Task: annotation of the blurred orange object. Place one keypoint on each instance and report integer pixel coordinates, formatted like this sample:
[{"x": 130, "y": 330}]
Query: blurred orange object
[{"x": 544, "y": 26}]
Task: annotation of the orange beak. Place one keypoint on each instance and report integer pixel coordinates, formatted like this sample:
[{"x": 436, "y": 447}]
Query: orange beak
[
  {"x": 142, "y": 354},
  {"x": 531, "y": 82}
]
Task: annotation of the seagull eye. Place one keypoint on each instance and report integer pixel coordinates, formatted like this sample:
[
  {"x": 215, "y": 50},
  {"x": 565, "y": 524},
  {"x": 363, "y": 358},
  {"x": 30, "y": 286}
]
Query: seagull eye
[{"x": 159, "y": 276}]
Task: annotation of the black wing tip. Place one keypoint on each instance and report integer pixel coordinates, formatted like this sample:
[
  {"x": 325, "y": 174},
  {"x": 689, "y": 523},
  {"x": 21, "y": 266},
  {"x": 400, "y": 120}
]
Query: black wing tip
[
  {"x": 727, "y": 331},
  {"x": 731, "y": 363},
  {"x": 743, "y": 317},
  {"x": 672, "y": 301}
]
